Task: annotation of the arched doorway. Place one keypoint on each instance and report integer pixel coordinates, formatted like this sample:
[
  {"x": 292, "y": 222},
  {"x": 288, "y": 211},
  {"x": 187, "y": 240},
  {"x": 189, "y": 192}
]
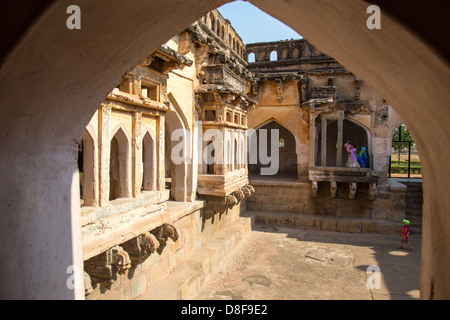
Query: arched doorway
[
  {"x": 87, "y": 166},
  {"x": 280, "y": 147},
  {"x": 351, "y": 131},
  {"x": 177, "y": 147}
]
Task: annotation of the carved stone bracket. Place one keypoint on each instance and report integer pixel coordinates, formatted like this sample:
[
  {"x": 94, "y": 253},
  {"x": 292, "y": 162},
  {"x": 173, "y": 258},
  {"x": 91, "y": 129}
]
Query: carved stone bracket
[
  {"x": 239, "y": 195},
  {"x": 333, "y": 188},
  {"x": 372, "y": 191},
  {"x": 248, "y": 190},
  {"x": 314, "y": 188},
  {"x": 163, "y": 233},
  {"x": 141, "y": 247},
  {"x": 87, "y": 284},
  {"x": 231, "y": 200},
  {"x": 352, "y": 190},
  {"x": 104, "y": 268}
]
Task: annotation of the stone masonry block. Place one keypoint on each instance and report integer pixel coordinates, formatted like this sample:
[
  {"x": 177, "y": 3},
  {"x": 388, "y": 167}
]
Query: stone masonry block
[
  {"x": 384, "y": 195},
  {"x": 328, "y": 225},
  {"x": 378, "y": 215},
  {"x": 342, "y": 225},
  {"x": 355, "y": 227},
  {"x": 396, "y": 215},
  {"x": 372, "y": 227},
  {"x": 138, "y": 286},
  {"x": 306, "y": 221}
]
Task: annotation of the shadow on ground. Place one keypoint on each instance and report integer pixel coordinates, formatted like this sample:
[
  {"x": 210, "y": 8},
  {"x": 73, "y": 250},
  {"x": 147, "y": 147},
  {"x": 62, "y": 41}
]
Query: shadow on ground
[{"x": 281, "y": 263}]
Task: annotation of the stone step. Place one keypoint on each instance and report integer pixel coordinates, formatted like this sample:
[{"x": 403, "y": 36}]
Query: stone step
[
  {"x": 190, "y": 274},
  {"x": 415, "y": 220},
  {"x": 326, "y": 223},
  {"x": 414, "y": 196},
  {"x": 414, "y": 206},
  {"x": 414, "y": 200},
  {"x": 413, "y": 213}
]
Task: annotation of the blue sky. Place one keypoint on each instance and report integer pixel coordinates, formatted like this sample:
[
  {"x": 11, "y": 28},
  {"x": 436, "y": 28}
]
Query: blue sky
[{"x": 254, "y": 25}]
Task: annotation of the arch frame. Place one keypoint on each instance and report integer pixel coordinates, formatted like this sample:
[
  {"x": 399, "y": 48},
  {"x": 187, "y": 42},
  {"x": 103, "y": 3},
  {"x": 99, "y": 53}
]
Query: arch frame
[{"x": 411, "y": 73}]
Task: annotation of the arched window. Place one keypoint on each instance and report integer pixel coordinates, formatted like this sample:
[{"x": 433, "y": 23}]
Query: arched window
[
  {"x": 282, "y": 145},
  {"x": 210, "y": 153},
  {"x": 236, "y": 154},
  {"x": 118, "y": 167},
  {"x": 148, "y": 163},
  {"x": 213, "y": 22},
  {"x": 242, "y": 148},
  {"x": 87, "y": 170},
  {"x": 229, "y": 156},
  {"x": 251, "y": 57},
  {"x": 273, "y": 56}
]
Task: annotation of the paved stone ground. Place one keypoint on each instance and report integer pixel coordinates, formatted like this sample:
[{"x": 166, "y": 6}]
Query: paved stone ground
[{"x": 280, "y": 263}]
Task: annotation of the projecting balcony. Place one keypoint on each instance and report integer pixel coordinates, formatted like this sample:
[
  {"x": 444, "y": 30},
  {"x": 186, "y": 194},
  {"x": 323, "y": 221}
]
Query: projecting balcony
[
  {"x": 221, "y": 75},
  {"x": 221, "y": 185},
  {"x": 350, "y": 178}
]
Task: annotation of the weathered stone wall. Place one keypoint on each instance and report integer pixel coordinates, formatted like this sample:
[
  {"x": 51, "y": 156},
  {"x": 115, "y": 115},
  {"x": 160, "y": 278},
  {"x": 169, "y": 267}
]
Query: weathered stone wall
[
  {"x": 196, "y": 224},
  {"x": 290, "y": 203}
]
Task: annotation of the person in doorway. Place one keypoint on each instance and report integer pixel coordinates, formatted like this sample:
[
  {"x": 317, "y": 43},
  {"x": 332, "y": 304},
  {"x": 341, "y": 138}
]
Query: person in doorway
[
  {"x": 406, "y": 229},
  {"x": 352, "y": 161},
  {"x": 362, "y": 158}
]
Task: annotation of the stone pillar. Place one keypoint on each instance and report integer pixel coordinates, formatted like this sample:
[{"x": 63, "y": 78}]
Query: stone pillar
[
  {"x": 160, "y": 155},
  {"x": 312, "y": 140},
  {"x": 339, "y": 143},
  {"x": 104, "y": 153},
  {"x": 323, "y": 147},
  {"x": 136, "y": 154}
]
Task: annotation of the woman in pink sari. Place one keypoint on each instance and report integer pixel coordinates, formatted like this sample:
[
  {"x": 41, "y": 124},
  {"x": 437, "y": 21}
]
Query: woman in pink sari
[{"x": 352, "y": 161}]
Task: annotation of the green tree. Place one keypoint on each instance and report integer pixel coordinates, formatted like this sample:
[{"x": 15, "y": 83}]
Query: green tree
[{"x": 400, "y": 139}]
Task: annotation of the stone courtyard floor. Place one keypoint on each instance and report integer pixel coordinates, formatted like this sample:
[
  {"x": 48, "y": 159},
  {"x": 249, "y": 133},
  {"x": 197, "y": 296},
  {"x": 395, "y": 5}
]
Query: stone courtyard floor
[{"x": 279, "y": 263}]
